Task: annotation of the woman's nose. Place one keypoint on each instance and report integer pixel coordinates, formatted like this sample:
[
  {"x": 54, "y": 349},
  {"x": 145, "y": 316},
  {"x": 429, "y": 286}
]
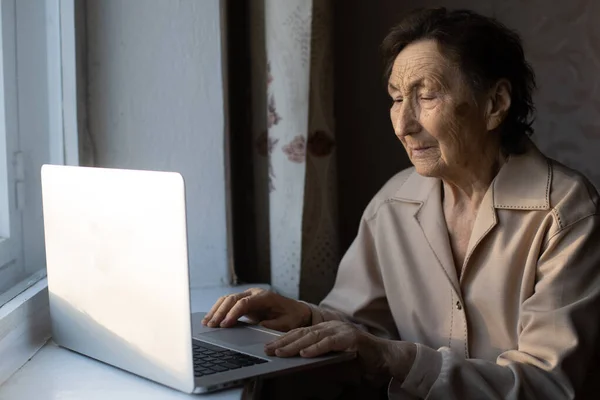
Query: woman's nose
[{"x": 406, "y": 122}]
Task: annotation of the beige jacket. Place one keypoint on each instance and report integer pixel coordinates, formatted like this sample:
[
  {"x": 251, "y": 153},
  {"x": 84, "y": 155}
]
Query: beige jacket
[{"x": 522, "y": 321}]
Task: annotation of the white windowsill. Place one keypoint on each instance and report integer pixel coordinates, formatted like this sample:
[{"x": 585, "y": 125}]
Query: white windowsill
[
  {"x": 24, "y": 328},
  {"x": 55, "y": 372},
  {"x": 21, "y": 287}
]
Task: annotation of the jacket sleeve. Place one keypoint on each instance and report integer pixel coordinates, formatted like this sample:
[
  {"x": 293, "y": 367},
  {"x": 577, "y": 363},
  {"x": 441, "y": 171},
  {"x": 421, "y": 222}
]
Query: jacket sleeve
[
  {"x": 557, "y": 341},
  {"x": 358, "y": 294}
]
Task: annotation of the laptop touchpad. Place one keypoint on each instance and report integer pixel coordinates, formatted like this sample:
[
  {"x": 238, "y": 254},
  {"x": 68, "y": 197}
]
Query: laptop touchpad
[{"x": 239, "y": 336}]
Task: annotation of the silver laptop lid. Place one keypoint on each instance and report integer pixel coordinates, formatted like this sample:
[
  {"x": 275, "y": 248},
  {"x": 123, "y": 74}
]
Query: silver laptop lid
[{"x": 117, "y": 263}]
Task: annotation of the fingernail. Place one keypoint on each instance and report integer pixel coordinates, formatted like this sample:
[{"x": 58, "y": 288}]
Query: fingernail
[{"x": 225, "y": 322}]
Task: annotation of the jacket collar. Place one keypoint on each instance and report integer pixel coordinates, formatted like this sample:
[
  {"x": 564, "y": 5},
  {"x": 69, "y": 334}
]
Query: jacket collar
[{"x": 523, "y": 182}]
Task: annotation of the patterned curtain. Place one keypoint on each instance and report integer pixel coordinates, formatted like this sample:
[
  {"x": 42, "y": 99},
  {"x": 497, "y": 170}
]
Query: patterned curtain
[{"x": 294, "y": 136}]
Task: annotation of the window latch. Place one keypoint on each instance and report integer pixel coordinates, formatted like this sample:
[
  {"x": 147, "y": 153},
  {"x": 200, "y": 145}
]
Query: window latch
[{"x": 19, "y": 173}]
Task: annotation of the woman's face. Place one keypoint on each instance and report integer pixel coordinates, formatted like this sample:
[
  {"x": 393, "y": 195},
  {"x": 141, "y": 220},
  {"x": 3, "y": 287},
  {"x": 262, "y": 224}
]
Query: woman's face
[{"x": 435, "y": 113}]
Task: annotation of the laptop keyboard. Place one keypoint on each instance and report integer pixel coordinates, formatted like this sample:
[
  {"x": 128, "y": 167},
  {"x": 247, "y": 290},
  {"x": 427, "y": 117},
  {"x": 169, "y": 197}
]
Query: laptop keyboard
[{"x": 210, "y": 359}]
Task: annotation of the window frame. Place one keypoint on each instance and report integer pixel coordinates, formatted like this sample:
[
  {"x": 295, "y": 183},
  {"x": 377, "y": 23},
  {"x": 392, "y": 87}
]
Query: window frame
[
  {"x": 11, "y": 244},
  {"x": 24, "y": 313}
]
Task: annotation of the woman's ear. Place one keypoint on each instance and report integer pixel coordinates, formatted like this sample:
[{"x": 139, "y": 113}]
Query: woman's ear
[{"x": 498, "y": 104}]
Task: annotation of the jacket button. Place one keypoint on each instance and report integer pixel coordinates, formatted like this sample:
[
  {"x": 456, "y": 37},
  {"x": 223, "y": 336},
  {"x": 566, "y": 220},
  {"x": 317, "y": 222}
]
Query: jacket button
[{"x": 458, "y": 305}]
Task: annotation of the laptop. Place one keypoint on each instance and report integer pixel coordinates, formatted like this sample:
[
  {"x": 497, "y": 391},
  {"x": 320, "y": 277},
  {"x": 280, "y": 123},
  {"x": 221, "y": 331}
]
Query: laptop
[{"x": 118, "y": 283}]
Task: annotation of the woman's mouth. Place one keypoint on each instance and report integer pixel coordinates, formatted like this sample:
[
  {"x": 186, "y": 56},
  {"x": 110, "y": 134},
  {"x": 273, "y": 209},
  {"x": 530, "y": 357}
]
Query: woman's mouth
[{"x": 417, "y": 151}]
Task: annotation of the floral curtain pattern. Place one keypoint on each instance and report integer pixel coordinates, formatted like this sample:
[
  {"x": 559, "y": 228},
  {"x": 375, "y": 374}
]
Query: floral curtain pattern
[{"x": 294, "y": 145}]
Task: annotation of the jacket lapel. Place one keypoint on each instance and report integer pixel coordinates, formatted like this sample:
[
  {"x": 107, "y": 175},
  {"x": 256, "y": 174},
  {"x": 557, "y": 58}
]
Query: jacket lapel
[
  {"x": 430, "y": 216},
  {"x": 484, "y": 222},
  {"x": 427, "y": 192},
  {"x": 523, "y": 183}
]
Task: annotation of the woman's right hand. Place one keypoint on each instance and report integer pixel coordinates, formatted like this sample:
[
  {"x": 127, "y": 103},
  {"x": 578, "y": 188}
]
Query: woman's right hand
[{"x": 264, "y": 307}]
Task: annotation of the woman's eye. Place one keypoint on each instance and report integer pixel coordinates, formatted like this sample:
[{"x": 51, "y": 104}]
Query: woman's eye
[
  {"x": 427, "y": 98},
  {"x": 397, "y": 100}
]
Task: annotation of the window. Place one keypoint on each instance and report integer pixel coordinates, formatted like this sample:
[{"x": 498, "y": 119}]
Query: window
[
  {"x": 38, "y": 125},
  {"x": 11, "y": 245}
]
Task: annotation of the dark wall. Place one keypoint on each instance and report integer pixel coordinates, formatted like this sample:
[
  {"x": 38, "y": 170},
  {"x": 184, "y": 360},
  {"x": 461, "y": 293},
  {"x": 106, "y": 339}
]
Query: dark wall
[
  {"x": 368, "y": 151},
  {"x": 241, "y": 145}
]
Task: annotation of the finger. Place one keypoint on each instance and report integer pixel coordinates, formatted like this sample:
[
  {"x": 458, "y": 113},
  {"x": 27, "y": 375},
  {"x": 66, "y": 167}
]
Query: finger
[
  {"x": 327, "y": 345},
  {"x": 284, "y": 340},
  {"x": 213, "y": 309},
  {"x": 292, "y": 336},
  {"x": 294, "y": 348},
  {"x": 227, "y": 304},
  {"x": 243, "y": 306}
]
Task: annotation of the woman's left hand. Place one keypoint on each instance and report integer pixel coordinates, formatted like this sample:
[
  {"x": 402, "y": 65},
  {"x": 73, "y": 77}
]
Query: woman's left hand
[{"x": 378, "y": 357}]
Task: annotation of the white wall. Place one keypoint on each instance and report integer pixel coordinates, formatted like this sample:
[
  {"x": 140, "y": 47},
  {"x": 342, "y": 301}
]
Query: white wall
[{"x": 155, "y": 101}]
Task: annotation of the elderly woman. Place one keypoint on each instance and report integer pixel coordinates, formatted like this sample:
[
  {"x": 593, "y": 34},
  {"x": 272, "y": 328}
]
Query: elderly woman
[{"x": 476, "y": 273}]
